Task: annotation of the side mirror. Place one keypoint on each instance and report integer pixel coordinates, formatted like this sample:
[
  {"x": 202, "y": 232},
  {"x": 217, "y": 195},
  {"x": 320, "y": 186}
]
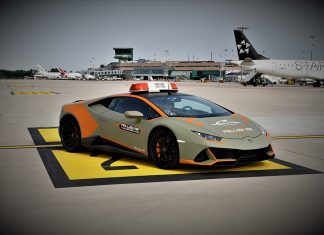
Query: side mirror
[{"x": 134, "y": 115}]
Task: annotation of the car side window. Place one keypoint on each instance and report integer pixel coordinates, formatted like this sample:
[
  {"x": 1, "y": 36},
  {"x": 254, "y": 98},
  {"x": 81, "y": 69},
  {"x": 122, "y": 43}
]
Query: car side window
[
  {"x": 113, "y": 103},
  {"x": 153, "y": 114},
  {"x": 105, "y": 102},
  {"x": 123, "y": 104}
]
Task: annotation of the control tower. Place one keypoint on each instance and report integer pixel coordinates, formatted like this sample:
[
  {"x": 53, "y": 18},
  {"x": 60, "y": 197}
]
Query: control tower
[{"x": 124, "y": 54}]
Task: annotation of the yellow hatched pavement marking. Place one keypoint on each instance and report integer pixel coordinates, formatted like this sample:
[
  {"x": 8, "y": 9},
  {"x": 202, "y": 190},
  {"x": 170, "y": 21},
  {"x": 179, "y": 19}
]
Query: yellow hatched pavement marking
[
  {"x": 33, "y": 93},
  {"x": 20, "y": 86},
  {"x": 81, "y": 166},
  {"x": 50, "y": 134},
  {"x": 29, "y": 146}
]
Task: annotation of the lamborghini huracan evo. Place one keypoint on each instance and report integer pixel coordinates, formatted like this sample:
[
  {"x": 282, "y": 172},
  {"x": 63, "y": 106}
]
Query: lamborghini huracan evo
[{"x": 155, "y": 121}]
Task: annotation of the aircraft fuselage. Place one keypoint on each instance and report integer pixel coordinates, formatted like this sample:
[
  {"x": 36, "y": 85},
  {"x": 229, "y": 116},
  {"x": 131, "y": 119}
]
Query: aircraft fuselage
[{"x": 289, "y": 68}]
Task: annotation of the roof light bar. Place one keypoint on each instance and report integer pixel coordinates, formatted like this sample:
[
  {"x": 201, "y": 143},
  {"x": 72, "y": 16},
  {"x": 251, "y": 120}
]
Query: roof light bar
[
  {"x": 174, "y": 86},
  {"x": 139, "y": 87},
  {"x": 153, "y": 87}
]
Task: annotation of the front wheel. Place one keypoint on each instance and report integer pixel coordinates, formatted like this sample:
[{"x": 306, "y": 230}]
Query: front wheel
[
  {"x": 70, "y": 135},
  {"x": 163, "y": 149}
]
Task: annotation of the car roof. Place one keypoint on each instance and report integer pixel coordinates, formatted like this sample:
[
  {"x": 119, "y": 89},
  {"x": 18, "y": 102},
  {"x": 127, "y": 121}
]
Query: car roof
[{"x": 145, "y": 95}]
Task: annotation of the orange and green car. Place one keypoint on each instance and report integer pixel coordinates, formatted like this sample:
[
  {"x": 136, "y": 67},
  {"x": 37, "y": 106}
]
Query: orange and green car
[{"x": 157, "y": 122}]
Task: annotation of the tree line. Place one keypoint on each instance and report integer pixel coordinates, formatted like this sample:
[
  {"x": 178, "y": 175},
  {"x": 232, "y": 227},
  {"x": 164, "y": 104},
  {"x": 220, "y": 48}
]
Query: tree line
[{"x": 16, "y": 73}]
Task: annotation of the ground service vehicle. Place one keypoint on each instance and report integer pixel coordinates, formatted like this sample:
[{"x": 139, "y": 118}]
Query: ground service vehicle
[{"x": 155, "y": 121}]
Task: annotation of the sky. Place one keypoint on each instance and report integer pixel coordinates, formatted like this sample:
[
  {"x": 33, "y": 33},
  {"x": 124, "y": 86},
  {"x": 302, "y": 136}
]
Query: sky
[{"x": 78, "y": 34}]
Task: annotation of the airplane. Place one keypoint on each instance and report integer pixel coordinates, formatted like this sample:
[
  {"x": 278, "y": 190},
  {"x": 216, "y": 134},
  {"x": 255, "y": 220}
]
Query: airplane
[
  {"x": 70, "y": 75},
  {"x": 51, "y": 75},
  {"x": 251, "y": 59},
  {"x": 89, "y": 76}
]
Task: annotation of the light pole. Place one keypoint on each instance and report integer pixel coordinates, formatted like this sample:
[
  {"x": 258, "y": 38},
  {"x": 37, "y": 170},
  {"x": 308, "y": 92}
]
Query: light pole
[
  {"x": 92, "y": 61},
  {"x": 312, "y": 38}
]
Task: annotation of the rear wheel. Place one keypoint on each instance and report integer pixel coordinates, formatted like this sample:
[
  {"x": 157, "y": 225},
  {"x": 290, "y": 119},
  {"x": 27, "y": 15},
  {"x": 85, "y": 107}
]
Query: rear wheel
[
  {"x": 163, "y": 149},
  {"x": 70, "y": 135}
]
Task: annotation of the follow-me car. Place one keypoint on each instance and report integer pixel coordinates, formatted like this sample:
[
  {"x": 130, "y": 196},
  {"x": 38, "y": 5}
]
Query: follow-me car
[{"x": 156, "y": 122}]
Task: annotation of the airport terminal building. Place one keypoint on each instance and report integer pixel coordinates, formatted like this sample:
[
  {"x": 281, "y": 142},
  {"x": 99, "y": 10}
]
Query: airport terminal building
[
  {"x": 127, "y": 68},
  {"x": 189, "y": 69}
]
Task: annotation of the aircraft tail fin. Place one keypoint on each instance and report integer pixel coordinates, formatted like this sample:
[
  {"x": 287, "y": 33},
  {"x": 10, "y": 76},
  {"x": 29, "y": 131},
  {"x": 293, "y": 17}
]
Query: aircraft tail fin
[
  {"x": 63, "y": 73},
  {"x": 245, "y": 48}
]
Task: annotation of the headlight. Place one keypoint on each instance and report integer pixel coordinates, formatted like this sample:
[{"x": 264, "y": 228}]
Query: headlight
[
  {"x": 263, "y": 131},
  {"x": 207, "y": 136}
]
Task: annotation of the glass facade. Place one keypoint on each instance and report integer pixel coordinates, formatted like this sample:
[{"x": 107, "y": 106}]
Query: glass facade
[
  {"x": 124, "y": 54},
  {"x": 204, "y": 73},
  {"x": 150, "y": 71}
]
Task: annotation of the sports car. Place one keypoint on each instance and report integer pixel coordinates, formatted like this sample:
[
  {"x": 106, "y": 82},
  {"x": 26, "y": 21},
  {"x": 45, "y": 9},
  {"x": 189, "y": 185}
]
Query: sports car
[{"x": 156, "y": 121}]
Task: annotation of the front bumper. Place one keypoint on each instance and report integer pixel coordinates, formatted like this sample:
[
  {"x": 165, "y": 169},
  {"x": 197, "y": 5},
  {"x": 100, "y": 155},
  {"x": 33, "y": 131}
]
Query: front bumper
[{"x": 229, "y": 157}]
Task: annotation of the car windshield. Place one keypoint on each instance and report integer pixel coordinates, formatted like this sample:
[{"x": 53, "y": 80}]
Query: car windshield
[{"x": 188, "y": 106}]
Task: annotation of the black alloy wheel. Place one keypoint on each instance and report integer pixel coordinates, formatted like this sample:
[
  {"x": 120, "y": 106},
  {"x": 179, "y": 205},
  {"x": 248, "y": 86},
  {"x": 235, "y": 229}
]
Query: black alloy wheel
[
  {"x": 163, "y": 149},
  {"x": 70, "y": 135}
]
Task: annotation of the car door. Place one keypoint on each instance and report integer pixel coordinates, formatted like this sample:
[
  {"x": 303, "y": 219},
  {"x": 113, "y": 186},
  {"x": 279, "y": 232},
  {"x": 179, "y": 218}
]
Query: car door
[{"x": 127, "y": 132}]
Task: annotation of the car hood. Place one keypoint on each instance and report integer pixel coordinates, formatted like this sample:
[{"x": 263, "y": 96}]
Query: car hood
[{"x": 235, "y": 126}]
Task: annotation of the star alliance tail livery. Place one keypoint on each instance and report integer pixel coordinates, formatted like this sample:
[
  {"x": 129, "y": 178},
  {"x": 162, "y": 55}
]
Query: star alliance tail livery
[{"x": 251, "y": 59}]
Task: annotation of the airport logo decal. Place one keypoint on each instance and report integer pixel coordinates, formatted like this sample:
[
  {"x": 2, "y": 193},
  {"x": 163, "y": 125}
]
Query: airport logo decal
[
  {"x": 94, "y": 167},
  {"x": 225, "y": 123},
  {"x": 309, "y": 65},
  {"x": 243, "y": 47},
  {"x": 229, "y": 131},
  {"x": 129, "y": 128}
]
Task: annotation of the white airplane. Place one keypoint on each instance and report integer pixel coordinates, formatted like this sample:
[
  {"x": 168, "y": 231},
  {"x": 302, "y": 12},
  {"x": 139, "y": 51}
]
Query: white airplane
[
  {"x": 51, "y": 75},
  {"x": 70, "y": 75},
  {"x": 250, "y": 59},
  {"x": 89, "y": 76}
]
